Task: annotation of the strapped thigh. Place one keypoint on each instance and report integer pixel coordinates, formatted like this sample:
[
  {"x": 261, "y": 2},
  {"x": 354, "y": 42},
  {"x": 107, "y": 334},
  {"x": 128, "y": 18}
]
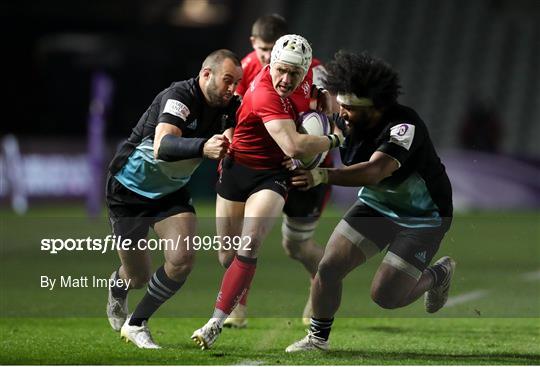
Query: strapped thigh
[
  {"x": 298, "y": 231},
  {"x": 398, "y": 263},
  {"x": 369, "y": 248}
]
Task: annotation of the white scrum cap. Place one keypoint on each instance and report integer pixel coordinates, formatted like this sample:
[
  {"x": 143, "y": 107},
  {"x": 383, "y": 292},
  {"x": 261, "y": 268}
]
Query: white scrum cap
[{"x": 292, "y": 49}]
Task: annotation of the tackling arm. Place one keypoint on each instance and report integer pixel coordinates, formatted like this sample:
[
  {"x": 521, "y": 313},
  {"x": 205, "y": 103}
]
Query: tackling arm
[
  {"x": 163, "y": 129},
  {"x": 169, "y": 145},
  {"x": 379, "y": 166}
]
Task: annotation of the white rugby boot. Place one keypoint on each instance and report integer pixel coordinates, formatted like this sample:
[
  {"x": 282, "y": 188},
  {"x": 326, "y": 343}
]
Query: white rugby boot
[
  {"x": 436, "y": 297},
  {"x": 206, "y": 336},
  {"x": 309, "y": 343},
  {"x": 117, "y": 309},
  {"x": 238, "y": 317},
  {"x": 138, "y": 335}
]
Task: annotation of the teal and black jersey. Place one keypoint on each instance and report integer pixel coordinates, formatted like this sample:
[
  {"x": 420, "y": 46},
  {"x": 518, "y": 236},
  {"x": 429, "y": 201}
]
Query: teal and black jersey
[
  {"x": 418, "y": 193},
  {"x": 184, "y": 106}
]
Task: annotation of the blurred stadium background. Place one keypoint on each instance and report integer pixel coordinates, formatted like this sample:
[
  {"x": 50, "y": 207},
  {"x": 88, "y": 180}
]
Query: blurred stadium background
[{"x": 79, "y": 75}]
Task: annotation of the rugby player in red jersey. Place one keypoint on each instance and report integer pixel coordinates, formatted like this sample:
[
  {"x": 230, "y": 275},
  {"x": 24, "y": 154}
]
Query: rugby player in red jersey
[
  {"x": 253, "y": 183},
  {"x": 302, "y": 208}
]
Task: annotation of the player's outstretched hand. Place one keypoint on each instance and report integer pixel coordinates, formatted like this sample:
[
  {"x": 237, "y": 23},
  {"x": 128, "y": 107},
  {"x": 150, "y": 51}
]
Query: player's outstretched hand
[
  {"x": 305, "y": 180},
  {"x": 216, "y": 147}
]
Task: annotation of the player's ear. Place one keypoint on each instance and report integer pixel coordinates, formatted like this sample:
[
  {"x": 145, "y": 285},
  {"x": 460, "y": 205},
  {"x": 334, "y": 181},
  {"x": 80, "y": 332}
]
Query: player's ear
[
  {"x": 205, "y": 73},
  {"x": 252, "y": 39}
]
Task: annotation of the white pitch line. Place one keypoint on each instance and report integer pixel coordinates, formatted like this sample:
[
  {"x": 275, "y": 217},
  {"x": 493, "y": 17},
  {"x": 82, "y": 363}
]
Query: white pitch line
[
  {"x": 532, "y": 276},
  {"x": 466, "y": 297},
  {"x": 249, "y": 362}
]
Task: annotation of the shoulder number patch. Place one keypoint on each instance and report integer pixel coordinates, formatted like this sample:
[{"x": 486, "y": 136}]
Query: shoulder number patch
[
  {"x": 402, "y": 135},
  {"x": 176, "y": 108}
]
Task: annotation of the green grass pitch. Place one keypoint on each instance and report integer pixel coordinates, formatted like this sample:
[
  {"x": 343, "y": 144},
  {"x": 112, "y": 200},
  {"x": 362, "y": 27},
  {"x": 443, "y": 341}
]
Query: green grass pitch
[{"x": 494, "y": 317}]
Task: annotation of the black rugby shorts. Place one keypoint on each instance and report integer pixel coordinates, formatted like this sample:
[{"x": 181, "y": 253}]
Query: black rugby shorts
[
  {"x": 416, "y": 246},
  {"x": 238, "y": 182},
  {"x": 132, "y": 214}
]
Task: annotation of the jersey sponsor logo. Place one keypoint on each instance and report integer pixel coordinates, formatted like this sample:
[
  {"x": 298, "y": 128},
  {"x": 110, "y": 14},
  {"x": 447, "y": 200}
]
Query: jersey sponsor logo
[
  {"x": 402, "y": 135},
  {"x": 176, "y": 108}
]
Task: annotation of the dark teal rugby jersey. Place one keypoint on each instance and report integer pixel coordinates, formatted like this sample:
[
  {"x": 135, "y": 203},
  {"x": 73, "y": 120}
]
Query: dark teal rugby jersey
[
  {"x": 418, "y": 193},
  {"x": 182, "y": 104}
]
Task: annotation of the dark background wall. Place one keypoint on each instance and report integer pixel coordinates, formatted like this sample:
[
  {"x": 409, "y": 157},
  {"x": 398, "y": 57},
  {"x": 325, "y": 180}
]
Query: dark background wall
[
  {"x": 470, "y": 68},
  {"x": 455, "y": 57}
]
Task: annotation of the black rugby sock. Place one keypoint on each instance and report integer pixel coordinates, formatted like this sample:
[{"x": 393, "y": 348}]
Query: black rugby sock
[
  {"x": 160, "y": 288},
  {"x": 118, "y": 292},
  {"x": 321, "y": 327}
]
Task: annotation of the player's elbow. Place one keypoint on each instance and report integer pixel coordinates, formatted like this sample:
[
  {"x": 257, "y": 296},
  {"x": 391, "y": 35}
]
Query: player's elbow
[
  {"x": 373, "y": 180},
  {"x": 291, "y": 150},
  {"x": 298, "y": 149},
  {"x": 159, "y": 153}
]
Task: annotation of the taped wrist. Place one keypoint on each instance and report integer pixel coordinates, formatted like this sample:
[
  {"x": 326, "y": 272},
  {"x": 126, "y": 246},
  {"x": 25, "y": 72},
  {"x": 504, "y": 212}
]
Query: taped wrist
[
  {"x": 335, "y": 140},
  {"x": 175, "y": 148},
  {"x": 320, "y": 175}
]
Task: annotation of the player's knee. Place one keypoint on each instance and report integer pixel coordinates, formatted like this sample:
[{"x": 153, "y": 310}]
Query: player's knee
[
  {"x": 296, "y": 236},
  {"x": 384, "y": 299},
  {"x": 293, "y": 248},
  {"x": 178, "y": 269},
  {"x": 252, "y": 248},
  {"x": 181, "y": 270},
  {"x": 226, "y": 258},
  {"x": 139, "y": 279},
  {"x": 328, "y": 272}
]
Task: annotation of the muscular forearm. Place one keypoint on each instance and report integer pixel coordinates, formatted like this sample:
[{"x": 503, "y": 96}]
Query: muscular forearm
[
  {"x": 361, "y": 174},
  {"x": 297, "y": 145},
  {"x": 309, "y": 145}
]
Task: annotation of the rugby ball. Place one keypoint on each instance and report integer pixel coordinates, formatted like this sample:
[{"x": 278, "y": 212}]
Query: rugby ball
[{"x": 312, "y": 123}]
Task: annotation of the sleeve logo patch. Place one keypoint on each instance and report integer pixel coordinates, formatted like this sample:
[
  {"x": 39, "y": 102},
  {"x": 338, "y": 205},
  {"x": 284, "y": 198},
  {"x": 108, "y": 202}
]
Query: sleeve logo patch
[
  {"x": 286, "y": 104},
  {"x": 306, "y": 88},
  {"x": 402, "y": 135},
  {"x": 176, "y": 108}
]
